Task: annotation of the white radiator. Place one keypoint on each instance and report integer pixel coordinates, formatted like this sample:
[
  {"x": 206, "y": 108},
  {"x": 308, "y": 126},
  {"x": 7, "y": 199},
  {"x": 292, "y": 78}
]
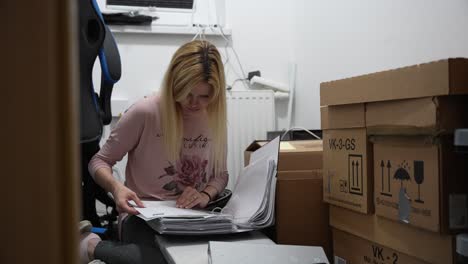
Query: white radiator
[{"x": 250, "y": 115}]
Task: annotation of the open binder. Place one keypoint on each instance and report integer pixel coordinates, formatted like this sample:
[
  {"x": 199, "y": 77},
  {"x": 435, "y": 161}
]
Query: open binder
[{"x": 251, "y": 205}]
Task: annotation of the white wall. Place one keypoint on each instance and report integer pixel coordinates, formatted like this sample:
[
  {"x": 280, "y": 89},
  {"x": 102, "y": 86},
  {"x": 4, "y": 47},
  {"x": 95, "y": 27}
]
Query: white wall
[
  {"x": 337, "y": 39},
  {"x": 263, "y": 36}
]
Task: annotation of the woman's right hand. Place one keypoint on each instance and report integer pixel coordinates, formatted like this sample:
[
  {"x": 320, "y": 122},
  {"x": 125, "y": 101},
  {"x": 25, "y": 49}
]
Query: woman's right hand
[{"x": 122, "y": 195}]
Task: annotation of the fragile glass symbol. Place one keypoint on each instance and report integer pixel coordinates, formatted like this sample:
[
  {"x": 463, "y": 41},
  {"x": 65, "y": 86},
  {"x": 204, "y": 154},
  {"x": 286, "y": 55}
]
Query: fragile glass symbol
[{"x": 419, "y": 177}]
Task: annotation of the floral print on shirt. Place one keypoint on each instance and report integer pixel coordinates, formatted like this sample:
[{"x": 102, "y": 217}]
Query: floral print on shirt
[{"x": 190, "y": 170}]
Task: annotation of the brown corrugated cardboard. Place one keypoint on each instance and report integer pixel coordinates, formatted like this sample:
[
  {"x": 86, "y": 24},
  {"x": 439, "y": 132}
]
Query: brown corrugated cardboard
[
  {"x": 420, "y": 116},
  {"x": 347, "y": 158},
  {"x": 347, "y": 169},
  {"x": 343, "y": 116},
  {"x": 294, "y": 155},
  {"x": 425, "y": 245},
  {"x": 437, "y": 78},
  {"x": 301, "y": 215},
  {"x": 355, "y": 250},
  {"x": 420, "y": 181}
]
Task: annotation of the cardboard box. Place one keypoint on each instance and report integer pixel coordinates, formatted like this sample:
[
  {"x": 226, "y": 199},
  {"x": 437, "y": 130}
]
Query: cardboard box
[
  {"x": 347, "y": 158},
  {"x": 420, "y": 116},
  {"x": 420, "y": 181},
  {"x": 351, "y": 249},
  {"x": 437, "y": 78},
  {"x": 302, "y": 218},
  {"x": 301, "y": 215},
  {"x": 357, "y": 107},
  {"x": 294, "y": 155},
  {"x": 428, "y": 246}
]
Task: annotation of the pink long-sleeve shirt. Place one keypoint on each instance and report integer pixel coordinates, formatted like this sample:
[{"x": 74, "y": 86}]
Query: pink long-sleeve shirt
[{"x": 149, "y": 173}]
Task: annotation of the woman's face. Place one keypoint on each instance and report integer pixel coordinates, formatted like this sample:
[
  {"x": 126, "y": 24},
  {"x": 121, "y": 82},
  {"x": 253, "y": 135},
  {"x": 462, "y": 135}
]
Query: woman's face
[{"x": 198, "y": 98}]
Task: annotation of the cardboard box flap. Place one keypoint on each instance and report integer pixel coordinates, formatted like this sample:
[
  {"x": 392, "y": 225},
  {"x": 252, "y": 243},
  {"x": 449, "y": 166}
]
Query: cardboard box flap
[
  {"x": 343, "y": 116},
  {"x": 301, "y": 146},
  {"x": 423, "y": 116},
  {"x": 405, "y": 141},
  {"x": 406, "y": 114},
  {"x": 294, "y": 155},
  {"x": 444, "y": 77},
  {"x": 290, "y": 146},
  {"x": 300, "y": 175}
]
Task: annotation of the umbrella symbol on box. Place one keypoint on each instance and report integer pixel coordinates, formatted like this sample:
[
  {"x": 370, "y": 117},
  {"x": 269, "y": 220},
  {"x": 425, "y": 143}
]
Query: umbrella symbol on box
[{"x": 402, "y": 174}]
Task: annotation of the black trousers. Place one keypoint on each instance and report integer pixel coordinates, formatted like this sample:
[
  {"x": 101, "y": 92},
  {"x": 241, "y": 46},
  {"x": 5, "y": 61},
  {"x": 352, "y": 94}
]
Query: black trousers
[
  {"x": 90, "y": 191},
  {"x": 138, "y": 245}
]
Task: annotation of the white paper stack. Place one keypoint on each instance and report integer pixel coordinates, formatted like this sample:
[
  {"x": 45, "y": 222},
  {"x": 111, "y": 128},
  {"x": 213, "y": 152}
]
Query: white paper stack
[
  {"x": 253, "y": 199},
  {"x": 250, "y": 207},
  {"x": 245, "y": 253}
]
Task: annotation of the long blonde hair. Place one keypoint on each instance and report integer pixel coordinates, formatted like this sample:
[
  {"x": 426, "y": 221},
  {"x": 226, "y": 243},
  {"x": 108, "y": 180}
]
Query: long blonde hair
[{"x": 194, "y": 62}]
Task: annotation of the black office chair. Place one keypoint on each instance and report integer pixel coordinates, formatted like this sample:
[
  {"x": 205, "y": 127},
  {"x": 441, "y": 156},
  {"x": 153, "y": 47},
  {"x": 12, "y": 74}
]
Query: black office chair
[{"x": 95, "y": 109}]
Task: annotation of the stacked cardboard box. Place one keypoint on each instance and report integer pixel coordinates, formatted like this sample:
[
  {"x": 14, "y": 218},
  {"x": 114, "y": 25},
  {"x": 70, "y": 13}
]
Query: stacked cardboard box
[
  {"x": 302, "y": 218},
  {"x": 417, "y": 243},
  {"x": 388, "y": 149},
  {"x": 352, "y": 249}
]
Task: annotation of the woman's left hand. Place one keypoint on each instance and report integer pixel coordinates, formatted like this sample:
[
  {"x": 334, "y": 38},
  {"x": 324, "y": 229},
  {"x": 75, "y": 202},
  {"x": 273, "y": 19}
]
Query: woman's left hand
[{"x": 191, "y": 198}]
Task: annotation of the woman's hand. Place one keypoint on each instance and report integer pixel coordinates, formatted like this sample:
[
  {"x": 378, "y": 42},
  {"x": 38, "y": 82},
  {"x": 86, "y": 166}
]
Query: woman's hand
[
  {"x": 122, "y": 195},
  {"x": 191, "y": 198}
]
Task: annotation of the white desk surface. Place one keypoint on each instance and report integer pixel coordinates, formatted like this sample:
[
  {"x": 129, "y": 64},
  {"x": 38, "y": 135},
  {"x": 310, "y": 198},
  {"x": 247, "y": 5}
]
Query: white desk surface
[
  {"x": 194, "y": 249},
  {"x": 248, "y": 253}
]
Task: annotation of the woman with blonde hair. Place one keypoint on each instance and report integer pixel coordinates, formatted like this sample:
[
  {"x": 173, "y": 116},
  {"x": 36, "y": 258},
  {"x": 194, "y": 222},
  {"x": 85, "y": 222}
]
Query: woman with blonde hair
[{"x": 176, "y": 144}]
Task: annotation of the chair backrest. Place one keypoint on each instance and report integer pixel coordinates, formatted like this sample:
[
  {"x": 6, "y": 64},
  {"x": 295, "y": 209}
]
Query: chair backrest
[
  {"x": 95, "y": 109},
  {"x": 95, "y": 40}
]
